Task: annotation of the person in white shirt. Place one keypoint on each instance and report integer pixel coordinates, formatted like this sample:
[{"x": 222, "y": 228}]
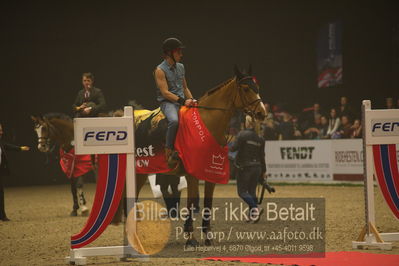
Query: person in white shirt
[{"x": 333, "y": 123}]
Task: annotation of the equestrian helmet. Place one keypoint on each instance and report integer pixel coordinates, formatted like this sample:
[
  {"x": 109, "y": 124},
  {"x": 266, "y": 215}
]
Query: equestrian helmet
[{"x": 171, "y": 44}]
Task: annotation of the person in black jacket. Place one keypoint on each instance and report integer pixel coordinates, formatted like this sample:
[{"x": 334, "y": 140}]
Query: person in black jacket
[
  {"x": 5, "y": 170},
  {"x": 251, "y": 165},
  {"x": 90, "y": 101}
]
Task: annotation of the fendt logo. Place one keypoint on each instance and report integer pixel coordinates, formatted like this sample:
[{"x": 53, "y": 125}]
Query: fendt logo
[
  {"x": 98, "y": 136},
  {"x": 385, "y": 127}
]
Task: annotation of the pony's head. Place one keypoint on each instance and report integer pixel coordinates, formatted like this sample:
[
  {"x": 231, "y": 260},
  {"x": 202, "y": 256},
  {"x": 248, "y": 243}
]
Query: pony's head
[
  {"x": 248, "y": 94},
  {"x": 42, "y": 129}
]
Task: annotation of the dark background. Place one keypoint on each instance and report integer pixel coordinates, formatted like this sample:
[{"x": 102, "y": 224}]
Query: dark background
[{"x": 46, "y": 46}]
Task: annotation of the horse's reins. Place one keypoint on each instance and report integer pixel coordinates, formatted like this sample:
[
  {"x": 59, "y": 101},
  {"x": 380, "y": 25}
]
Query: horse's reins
[
  {"x": 244, "y": 104},
  {"x": 229, "y": 109},
  {"x": 208, "y": 107}
]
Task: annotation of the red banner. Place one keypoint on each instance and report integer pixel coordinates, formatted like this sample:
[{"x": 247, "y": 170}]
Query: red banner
[
  {"x": 149, "y": 161},
  {"x": 202, "y": 156},
  {"x": 110, "y": 184},
  {"x": 74, "y": 165}
]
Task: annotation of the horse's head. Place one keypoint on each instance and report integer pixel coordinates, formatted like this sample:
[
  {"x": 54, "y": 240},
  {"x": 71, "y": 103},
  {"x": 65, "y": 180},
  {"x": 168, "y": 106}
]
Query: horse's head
[
  {"x": 248, "y": 94},
  {"x": 42, "y": 129}
]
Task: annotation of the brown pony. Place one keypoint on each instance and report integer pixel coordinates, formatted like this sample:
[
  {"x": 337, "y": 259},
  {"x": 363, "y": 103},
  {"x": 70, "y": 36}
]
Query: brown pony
[
  {"x": 58, "y": 128},
  {"x": 216, "y": 108}
]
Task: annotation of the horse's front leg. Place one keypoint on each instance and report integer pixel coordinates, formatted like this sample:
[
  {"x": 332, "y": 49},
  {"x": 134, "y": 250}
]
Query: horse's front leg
[
  {"x": 207, "y": 212},
  {"x": 192, "y": 196},
  {"x": 74, "y": 192},
  {"x": 82, "y": 200}
]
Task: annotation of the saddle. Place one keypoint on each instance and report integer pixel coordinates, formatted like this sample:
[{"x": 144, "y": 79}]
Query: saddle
[{"x": 150, "y": 137}]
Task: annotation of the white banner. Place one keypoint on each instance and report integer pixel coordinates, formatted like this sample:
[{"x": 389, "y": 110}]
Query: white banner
[
  {"x": 347, "y": 156},
  {"x": 299, "y": 160},
  {"x": 97, "y": 135}
]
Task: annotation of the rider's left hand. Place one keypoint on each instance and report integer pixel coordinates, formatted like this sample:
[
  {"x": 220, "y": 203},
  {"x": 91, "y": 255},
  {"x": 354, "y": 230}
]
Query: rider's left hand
[{"x": 189, "y": 102}]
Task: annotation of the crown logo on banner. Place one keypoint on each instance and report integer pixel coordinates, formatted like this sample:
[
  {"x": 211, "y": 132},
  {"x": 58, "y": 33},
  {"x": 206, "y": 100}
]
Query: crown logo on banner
[{"x": 218, "y": 160}]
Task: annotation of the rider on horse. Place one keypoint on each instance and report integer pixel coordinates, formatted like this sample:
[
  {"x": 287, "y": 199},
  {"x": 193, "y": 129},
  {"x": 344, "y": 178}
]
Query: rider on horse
[{"x": 172, "y": 92}]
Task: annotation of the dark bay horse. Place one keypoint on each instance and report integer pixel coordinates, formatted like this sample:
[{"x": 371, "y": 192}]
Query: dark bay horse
[
  {"x": 58, "y": 128},
  {"x": 216, "y": 108}
]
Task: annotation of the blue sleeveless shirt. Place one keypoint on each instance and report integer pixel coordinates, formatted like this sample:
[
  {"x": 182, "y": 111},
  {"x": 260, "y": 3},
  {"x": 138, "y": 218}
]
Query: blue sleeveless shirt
[{"x": 174, "y": 77}]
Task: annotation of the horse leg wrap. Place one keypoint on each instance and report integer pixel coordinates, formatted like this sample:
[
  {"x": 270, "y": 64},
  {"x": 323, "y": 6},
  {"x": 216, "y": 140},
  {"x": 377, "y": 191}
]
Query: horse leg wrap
[{"x": 82, "y": 200}]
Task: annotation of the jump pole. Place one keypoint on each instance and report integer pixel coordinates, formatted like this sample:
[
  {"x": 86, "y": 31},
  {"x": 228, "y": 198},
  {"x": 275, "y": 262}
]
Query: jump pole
[
  {"x": 78, "y": 256},
  {"x": 369, "y": 235}
]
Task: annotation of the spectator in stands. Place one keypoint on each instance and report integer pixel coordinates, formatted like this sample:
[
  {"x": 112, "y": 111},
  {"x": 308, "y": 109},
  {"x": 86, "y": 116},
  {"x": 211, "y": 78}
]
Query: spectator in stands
[
  {"x": 297, "y": 128},
  {"x": 356, "y": 129},
  {"x": 324, "y": 127},
  {"x": 309, "y": 115},
  {"x": 269, "y": 114},
  {"x": 345, "y": 108},
  {"x": 389, "y": 103},
  {"x": 270, "y": 131},
  {"x": 316, "y": 110},
  {"x": 345, "y": 129},
  {"x": 286, "y": 127},
  {"x": 313, "y": 131},
  {"x": 333, "y": 123},
  {"x": 278, "y": 113}
]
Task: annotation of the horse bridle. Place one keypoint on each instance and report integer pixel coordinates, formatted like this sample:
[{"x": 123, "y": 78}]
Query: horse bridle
[
  {"x": 41, "y": 140},
  {"x": 45, "y": 140},
  {"x": 246, "y": 104}
]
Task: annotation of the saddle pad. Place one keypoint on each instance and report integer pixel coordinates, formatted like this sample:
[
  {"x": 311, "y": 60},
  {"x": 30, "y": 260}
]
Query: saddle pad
[
  {"x": 150, "y": 141},
  {"x": 74, "y": 165}
]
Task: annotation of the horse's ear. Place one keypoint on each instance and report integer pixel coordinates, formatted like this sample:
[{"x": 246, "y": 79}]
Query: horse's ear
[
  {"x": 40, "y": 118},
  {"x": 36, "y": 119},
  {"x": 250, "y": 70},
  {"x": 237, "y": 72}
]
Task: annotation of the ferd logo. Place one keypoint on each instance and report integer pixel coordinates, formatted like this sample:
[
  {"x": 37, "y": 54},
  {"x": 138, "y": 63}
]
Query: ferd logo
[
  {"x": 385, "y": 127},
  {"x": 99, "y": 136}
]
